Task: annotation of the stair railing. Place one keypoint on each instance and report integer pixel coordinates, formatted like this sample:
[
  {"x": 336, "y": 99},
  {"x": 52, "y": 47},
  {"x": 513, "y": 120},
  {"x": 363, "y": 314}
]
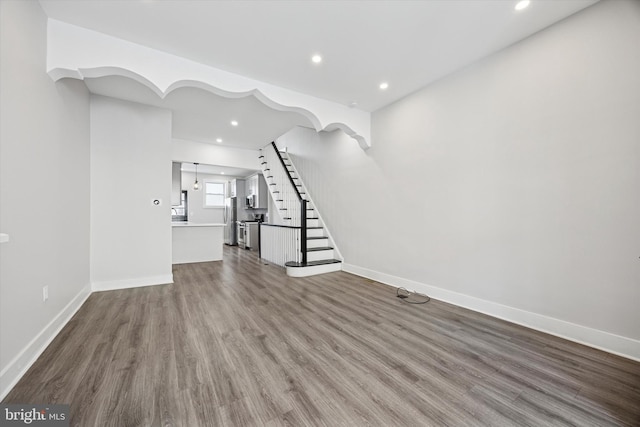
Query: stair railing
[{"x": 288, "y": 203}]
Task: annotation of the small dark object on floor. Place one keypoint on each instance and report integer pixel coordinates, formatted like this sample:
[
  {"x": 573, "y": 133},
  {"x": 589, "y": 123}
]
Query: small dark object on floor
[{"x": 410, "y": 297}]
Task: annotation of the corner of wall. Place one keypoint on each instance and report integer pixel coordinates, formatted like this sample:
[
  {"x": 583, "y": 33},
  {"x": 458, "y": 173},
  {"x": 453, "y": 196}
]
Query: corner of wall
[{"x": 19, "y": 365}]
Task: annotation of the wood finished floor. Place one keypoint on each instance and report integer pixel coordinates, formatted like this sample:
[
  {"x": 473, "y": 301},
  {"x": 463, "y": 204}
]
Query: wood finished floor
[{"x": 238, "y": 343}]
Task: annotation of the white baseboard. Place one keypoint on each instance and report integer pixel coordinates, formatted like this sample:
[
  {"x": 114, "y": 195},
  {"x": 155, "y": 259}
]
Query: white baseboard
[
  {"x": 611, "y": 343},
  {"x": 112, "y": 285},
  {"x": 12, "y": 373}
]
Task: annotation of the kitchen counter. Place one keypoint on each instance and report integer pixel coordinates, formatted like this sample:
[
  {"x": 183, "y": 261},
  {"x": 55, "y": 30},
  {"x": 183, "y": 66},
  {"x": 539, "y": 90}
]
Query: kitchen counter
[{"x": 194, "y": 242}]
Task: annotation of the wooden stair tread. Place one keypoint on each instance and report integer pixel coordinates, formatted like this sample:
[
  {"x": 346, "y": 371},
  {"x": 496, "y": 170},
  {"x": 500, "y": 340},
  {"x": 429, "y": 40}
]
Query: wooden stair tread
[
  {"x": 312, "y": 263},
  {"x": 324, "y": 248}
]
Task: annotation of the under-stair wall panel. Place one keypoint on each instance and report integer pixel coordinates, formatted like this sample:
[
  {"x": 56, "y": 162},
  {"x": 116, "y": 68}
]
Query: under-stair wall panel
[{"x": 279, "y": 245}]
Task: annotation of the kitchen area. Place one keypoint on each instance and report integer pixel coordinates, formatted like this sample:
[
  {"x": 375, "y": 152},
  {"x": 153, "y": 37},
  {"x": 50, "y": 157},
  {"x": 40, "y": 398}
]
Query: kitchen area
[{"x": 212, "y": 206}]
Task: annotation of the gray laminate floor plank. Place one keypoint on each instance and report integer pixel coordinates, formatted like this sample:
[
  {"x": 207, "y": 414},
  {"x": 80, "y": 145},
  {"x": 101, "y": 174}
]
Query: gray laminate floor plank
[{"x": 238, "y": 343}]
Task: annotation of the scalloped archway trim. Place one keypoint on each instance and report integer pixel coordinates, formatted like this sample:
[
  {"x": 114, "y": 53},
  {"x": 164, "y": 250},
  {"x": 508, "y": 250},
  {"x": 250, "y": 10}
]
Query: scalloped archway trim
[{"x": 78, "y": 53}]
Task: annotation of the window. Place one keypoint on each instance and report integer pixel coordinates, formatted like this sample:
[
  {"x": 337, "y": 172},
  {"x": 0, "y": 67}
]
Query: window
[{"x": 213, "y": 194}]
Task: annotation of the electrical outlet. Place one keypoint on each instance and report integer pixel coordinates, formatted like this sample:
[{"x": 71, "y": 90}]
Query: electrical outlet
[{"x": 45, "y": 293}]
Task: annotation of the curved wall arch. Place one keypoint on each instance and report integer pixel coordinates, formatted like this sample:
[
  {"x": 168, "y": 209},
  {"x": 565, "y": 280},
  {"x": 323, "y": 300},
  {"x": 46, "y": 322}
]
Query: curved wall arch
[{"x": 78, "y": 53}]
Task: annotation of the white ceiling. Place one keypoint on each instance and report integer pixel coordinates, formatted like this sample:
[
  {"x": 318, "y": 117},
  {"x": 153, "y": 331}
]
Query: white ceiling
[
  {"x": 409, "y": 44},
  {"x": 201, "y": 116},
  {"x": 363, "y": 42}
]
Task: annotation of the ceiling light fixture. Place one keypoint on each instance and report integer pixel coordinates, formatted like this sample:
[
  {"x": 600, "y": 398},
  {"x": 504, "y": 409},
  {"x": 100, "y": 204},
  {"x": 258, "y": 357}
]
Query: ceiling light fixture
[
  {"x": 196, "y": 185},
  {"x": 218, "y": 140},
  {"x": 384, "y": 85},
  {"x": 234, "y": 123},
  {"x": 522, "y": 4},
  {"x": 316, "y": 59}
]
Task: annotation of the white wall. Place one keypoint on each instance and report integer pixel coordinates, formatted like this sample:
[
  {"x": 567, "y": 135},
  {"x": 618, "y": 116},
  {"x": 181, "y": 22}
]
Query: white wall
[
  {"x": 512, "y": 187},
  {"x": 44, "y": 192},
  {"x": 197, "y": 212},
  {"x": 191, "y": 151},
  {"x": 130, "y": 166}
]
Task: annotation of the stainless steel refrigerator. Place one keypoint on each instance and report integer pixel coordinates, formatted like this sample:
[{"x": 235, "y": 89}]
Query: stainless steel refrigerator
[{"x": 230, "y": 219}]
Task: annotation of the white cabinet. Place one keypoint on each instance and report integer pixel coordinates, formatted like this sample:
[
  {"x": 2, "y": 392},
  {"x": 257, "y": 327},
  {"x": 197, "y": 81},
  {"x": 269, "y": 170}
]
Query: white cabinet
[
  {"x": 232, "y": 188},
  {"x": 237, "y": 188},
  {"x": 257, "y": 186},
  {"x": 252, "y": 241},
  {"x": 263, "y": 193},
  {"x": 252, "y": 184}
]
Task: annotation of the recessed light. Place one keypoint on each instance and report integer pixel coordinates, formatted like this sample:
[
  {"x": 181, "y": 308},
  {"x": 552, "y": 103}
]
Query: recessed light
[
  {"x": 316, "y": 59},
  {"x": 218, "y": 140},
  {"x": 221, "y": 173},
  {"x": 522, "y": 4},
  {"x": 384, "y": 85},
  {"x": 234, "y": 123}
]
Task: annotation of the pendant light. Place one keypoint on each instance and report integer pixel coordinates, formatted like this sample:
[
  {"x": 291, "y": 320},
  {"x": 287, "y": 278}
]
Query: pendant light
[{"x": 196, "y": 185}]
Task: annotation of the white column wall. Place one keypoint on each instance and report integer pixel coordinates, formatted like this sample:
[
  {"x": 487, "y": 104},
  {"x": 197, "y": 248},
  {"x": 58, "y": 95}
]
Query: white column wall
[{"x": 130, "y": 167}]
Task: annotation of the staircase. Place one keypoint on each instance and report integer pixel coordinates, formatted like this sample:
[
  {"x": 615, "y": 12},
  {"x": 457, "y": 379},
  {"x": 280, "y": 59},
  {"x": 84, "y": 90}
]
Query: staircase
[{"x": 317, "y": 253}]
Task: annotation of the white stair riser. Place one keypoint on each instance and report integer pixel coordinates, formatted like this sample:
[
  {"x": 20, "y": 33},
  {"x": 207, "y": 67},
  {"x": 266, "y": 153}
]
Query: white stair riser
[
  {"x": 320, "y": 255},
  {"x": 313, "y": 222},
  {"x": 313, "y": 270},
  {"x": 315, "y": 232},
  {"x": 318, "y": 243}
]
